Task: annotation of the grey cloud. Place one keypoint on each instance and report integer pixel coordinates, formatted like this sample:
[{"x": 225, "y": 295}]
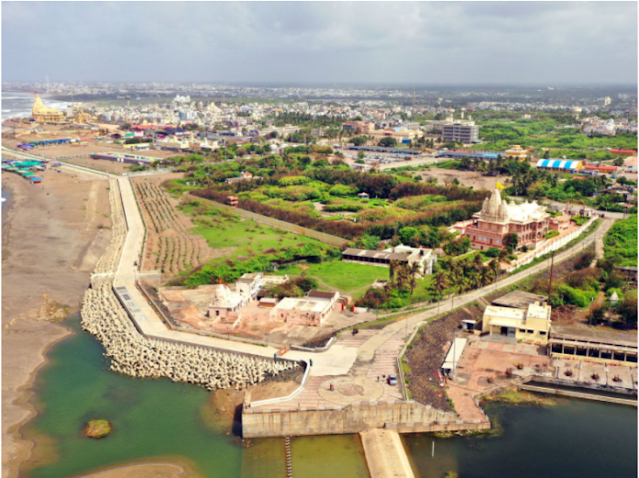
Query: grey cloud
[{"x": 425, "y": 42}]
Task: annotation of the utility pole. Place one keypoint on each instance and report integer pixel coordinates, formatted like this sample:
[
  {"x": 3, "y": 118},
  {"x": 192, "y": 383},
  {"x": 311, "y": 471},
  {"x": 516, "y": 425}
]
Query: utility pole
[{"x": 552, "y": 264}]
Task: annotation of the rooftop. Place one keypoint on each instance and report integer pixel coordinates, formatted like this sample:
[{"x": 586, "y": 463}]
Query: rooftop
[{"x": 519, "y": 299}]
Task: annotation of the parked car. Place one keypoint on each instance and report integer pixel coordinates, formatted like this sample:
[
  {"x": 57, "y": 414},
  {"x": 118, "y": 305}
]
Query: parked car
[{"x": 392, "y": 379}]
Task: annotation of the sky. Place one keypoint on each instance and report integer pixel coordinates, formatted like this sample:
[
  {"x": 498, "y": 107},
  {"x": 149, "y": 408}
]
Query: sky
[{"x": 456, "y": 43}]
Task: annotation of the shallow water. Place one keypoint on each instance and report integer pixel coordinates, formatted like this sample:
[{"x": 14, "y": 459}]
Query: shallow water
[{"x": 154, "y": 418}]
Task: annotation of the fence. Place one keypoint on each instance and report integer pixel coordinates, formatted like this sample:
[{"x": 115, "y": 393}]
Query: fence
[{"x": 555, "y": 244}]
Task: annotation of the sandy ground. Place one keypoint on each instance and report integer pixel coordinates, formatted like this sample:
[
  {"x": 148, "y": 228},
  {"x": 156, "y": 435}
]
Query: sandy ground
[
  {"x": 83, "y": 151},
  {"x": 467, "y": 178},
  {"x": 53, "y": 233},
  {"x": 145, "y": 470}
]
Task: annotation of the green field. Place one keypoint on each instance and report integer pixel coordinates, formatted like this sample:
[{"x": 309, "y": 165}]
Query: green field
[
  {"x": 620, "y": 243},
  {"x": 347, "y": 277},
  {"x": 224, "y": 230}
]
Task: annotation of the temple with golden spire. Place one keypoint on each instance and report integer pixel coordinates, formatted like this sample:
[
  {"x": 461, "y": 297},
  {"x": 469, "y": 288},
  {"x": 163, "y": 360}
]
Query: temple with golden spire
[{"x": 42, "y": 114}]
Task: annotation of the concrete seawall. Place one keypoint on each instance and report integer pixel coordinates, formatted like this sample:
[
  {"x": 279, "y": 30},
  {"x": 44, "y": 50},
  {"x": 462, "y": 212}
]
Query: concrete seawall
[{"x": 403, "y": 417}]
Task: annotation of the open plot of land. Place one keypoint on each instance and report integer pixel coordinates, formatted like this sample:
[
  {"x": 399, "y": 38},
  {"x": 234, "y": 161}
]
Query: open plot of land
[
  {"x": 170, "y": 246},
  {"x": 470, "y": 179},
  {"x": 80, "y": 153},
  {"x": 238, "y": 237}
]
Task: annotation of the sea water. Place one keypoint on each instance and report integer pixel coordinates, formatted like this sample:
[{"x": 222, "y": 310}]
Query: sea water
[{"x": 19, "y": 104}]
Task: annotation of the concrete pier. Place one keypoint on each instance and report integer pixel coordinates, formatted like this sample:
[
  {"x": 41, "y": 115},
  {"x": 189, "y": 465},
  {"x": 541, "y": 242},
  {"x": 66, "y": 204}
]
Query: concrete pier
[{"x": 385, "y": 454}]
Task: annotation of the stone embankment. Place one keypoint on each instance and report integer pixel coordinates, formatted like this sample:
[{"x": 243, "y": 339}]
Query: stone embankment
[
  {"x": 108, "y": 263},
  {"x": 134, "y": 354}
]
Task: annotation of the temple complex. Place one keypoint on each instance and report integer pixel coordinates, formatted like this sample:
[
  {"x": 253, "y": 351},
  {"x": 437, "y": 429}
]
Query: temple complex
[
  {"x": 498, "y": 218},
  {"x": 42, "y": 114}
]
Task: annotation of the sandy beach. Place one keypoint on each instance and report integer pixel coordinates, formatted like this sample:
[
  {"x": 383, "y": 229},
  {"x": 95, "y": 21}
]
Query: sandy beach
[{"x": 52, "y": 235}]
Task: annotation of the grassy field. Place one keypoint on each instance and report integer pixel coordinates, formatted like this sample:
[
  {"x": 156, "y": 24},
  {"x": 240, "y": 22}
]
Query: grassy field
[
  {"x": 349, "y": 278},
  {"x": 241, "y": 237},
  {"x": 621, "y": 242}
]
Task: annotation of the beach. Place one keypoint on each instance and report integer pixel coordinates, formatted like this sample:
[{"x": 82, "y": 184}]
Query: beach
[{"x": 52, "y": 235}]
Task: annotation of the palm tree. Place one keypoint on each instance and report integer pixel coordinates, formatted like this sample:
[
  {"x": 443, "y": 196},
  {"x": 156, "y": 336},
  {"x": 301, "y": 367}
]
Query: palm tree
[{"x": 414, "y": 272}]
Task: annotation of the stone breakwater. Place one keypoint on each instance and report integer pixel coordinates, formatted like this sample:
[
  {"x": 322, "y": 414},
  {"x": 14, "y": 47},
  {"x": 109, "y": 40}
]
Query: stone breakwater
[
  {"x": 139, "y": 356},
  {"x": 108, "y": 262},
  {"x": 134, "y": 354}
]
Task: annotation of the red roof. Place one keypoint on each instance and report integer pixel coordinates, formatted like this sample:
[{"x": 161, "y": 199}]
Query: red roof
[
  {"x": 623, "y": 151},
  {"x": 601, "y": 168},
  {"x": 578, "y": 177}
]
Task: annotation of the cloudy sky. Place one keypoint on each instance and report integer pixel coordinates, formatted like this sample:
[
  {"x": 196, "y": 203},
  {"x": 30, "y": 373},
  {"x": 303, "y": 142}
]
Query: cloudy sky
[{"x": 423, "y": 43}]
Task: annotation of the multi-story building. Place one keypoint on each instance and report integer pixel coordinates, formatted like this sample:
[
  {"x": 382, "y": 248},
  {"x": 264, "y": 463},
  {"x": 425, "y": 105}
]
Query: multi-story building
[
  {"x": 497, "y": 219},
  {"x": 460, "y": 133}
]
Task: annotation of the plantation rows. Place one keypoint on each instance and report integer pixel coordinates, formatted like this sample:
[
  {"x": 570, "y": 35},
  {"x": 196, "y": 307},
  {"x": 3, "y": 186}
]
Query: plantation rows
[{"x": 170, "y": 246}]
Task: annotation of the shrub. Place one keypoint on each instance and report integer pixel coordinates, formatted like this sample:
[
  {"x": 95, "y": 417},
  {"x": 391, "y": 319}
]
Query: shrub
[{"x": 492, "y": 252}]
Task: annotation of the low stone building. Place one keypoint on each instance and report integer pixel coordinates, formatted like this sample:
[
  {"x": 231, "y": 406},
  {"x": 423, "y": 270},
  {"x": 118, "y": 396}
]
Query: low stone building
[
  {"x": 425, "y": 258},
  {"x": 311, "y": 310},
  {"x": 527, "y": 325},
  {"x": 225, "y": 304}
]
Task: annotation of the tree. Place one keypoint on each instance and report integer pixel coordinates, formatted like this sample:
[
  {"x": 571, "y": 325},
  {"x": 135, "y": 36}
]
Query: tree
[
  {"x": 361, "y": 155},
  {"x": 358, "y": 140},
  {"x": 125, "y": 126},
  {"x": 511, "y": 241},
  {"x": 628, "y": 309},
  {"x": 388, "y": 142},
  {"x": 547, "y": 154},
  {"x": 409, "y": 236}
]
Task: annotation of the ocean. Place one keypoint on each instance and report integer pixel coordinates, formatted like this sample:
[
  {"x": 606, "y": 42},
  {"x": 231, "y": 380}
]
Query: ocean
[{"x": 18, "y": 104}]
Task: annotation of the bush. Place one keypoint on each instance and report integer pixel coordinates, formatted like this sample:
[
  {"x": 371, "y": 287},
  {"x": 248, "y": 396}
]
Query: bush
[
  {"x": 492, "y": 252},
  {"x": 342, "y": 190}
]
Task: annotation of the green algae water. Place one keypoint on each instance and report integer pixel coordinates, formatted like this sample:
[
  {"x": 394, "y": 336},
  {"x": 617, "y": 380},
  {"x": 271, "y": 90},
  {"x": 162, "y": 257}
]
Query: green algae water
[
  {"x": 153, "y": 420},
  {"x": 575, "y": 438}
]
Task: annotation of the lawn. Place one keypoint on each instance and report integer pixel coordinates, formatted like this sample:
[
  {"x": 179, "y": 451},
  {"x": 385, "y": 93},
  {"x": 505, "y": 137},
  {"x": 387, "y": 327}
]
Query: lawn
[{"x": 347, "y": 277}]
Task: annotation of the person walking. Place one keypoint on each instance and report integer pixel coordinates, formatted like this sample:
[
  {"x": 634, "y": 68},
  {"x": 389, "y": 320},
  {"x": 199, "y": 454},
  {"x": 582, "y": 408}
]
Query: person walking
[{"x": 311, "y": 362}]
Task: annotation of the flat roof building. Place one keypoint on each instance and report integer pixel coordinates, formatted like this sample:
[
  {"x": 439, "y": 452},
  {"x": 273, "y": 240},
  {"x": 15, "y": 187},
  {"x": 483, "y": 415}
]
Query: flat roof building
[
  {"x": 594, "y": 345},
  {"x": 531, "y": 324},
  {"x": 425, "y": 258},
  {"x": 460, "y": 133}
]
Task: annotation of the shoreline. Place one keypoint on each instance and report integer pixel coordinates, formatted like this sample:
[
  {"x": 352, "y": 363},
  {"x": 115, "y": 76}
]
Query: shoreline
[
  {"x": 47, "y": 282},
  {"x": 40, "y": 235}
]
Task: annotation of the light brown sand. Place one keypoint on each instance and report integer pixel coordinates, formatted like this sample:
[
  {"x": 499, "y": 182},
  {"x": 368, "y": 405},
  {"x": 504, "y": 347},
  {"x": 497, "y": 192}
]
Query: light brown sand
[{"x": 52, "y": 236}]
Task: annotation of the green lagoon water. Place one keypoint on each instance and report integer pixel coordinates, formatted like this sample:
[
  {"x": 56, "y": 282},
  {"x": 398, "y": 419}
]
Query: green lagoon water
[
  {"x": 154, "y": 419},
  {"x": 159, "y": 419}
]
